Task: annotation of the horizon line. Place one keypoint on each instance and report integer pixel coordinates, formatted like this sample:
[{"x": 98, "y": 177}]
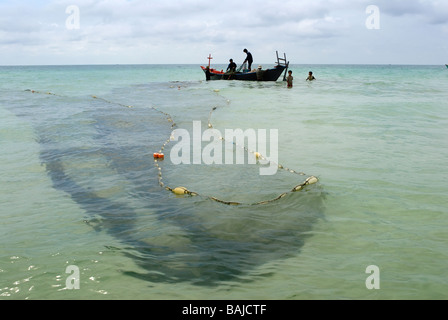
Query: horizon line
[{"x": 199, "y": 64}]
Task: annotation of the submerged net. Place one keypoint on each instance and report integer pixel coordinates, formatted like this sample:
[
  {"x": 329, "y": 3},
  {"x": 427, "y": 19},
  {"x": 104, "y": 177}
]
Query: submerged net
[{"x": 237, "y": 174}]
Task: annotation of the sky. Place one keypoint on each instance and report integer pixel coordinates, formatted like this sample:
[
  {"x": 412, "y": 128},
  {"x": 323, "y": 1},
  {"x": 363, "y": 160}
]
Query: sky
[{"x": 56, "y": 32}]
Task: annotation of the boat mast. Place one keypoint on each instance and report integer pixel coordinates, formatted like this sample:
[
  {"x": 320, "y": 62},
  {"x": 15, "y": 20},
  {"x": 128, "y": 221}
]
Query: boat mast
[
  {"x": 285, "y": 63},
  {"x": 209, "y": 60}
]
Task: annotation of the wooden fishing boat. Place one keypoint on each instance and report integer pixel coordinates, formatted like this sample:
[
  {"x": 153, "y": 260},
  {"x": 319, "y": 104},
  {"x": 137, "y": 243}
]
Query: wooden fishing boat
[{"x": 259, "y": 74}]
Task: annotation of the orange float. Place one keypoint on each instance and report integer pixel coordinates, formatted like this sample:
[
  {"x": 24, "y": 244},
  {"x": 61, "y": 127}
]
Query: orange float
[{"x": 159, "y": 156}]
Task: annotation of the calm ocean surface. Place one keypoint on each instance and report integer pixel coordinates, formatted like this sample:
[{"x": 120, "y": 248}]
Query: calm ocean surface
[{"x": 79, "y": 185}]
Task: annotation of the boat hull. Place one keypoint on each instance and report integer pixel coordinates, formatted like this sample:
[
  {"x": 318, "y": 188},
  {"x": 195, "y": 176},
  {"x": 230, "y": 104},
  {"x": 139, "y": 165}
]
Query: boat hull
[{"x": 265, "y": 75}]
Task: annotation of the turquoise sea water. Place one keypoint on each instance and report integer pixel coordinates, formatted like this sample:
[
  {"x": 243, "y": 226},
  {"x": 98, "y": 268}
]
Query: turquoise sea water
[{"x": 79, "y": 186}]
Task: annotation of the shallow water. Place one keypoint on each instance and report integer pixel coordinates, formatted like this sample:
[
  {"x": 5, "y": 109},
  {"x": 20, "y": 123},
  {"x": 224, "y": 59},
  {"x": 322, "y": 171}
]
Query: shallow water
[{"x": 79, "y": 185}]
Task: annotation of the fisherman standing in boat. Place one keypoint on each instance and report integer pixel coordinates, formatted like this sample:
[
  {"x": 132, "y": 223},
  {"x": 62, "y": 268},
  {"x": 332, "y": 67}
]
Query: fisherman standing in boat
[{"x": 249, "y": 59}]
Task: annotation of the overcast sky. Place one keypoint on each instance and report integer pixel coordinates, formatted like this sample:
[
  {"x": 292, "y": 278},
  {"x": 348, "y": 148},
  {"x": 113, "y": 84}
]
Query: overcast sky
[{"x": 183, "y": 32}]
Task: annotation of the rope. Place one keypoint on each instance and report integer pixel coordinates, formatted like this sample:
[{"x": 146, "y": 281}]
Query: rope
[
  {"x": 182, "y": 191},
  {"x": 255, "y": 153}
]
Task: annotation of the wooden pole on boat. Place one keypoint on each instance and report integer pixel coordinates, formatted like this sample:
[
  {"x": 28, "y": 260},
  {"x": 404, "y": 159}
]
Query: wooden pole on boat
[
  {"x": 209, "y": 60},
  {"x": 284, "y": 62}
]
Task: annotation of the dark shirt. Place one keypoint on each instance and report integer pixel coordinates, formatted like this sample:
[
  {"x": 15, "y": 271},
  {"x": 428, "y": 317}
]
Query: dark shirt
[
  {"x": 231, "y": 67},
  {"x": 249, "y": 58}
]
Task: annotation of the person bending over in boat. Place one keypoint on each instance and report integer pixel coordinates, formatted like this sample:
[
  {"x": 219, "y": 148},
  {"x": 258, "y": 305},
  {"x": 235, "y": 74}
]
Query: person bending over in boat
[
  {"x": 231, "y": 67},
  {"x": 310, "y": 77},
  {"x": 249, "y": 59}
]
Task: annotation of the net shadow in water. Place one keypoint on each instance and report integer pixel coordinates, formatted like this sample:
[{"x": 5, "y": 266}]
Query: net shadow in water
[
  {"x": 212, "y": 243},
  {"x": 229, "y": 243}
]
